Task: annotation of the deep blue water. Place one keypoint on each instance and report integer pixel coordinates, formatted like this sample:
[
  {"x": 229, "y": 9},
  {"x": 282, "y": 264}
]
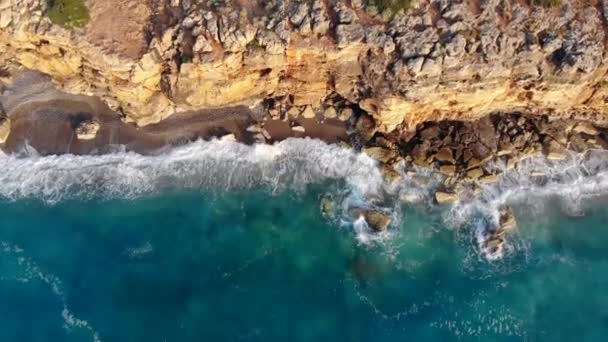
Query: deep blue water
[
  {"x": 252, "y": 266},
  {"x": 222, "y": 242}
]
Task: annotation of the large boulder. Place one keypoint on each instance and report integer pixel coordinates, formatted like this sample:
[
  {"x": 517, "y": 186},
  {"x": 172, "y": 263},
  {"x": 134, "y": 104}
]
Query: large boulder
[
  {"x": 445, "y": 197},
  {"x": 376, "y": 220}
]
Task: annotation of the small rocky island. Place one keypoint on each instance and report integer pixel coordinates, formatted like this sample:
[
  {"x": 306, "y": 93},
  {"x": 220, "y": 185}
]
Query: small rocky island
[{"x": 456, "y": 86}]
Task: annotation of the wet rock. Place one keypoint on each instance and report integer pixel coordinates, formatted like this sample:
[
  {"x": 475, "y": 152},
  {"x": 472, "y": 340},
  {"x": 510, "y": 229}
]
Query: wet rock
[
  {"x": 554, "y": 151},
  {"x": 259, "y": 138},
  {"x": 381, "y": 154},
  {"x": 493, "y": 238},
  {"x": 376, "y": 220},
  {"x": 475, "y": 173},
  {"x": 506, "y": 220},
  {"x": 449, "y": 170},
  {"x": 389, "y": 173},
  {"x": 328, "y": 207},
  {"x": 577, "y": 143},
  {"x": 489, "y": 179},
  {"x": 586, "y": 128},
  {"x": 445, "y": 155},
  {"x": 229, "y": 137},
  {"x": 511, "y": 163},
  {"x": 557, "y": 156},
  {"x": 445, "y": 197}
]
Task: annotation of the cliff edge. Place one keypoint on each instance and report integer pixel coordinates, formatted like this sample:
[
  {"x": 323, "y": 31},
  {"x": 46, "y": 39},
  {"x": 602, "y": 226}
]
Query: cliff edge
[{"x": 402, "y": 62}]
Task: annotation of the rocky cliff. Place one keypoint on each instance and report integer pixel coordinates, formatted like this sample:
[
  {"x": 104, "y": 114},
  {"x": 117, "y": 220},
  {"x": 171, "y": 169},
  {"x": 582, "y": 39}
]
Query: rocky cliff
[{"x": 402, "y": 62}]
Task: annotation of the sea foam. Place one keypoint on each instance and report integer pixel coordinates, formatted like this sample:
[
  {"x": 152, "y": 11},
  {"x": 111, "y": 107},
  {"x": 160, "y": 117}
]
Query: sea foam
[
  {"x": 534, "y": 186},
  {"x": 294, "y": 164},
  {"x": 216, "y": 164},
  {"x": 573, "y": 182}
]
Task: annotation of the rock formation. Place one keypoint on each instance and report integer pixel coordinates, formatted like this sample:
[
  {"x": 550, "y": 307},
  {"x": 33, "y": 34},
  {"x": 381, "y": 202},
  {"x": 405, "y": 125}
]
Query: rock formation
[{"x": 436, "y": 60}]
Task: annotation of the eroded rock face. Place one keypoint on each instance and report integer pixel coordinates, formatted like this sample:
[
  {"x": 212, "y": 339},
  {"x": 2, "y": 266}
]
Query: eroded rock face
[{"x": 440, "y": 59}]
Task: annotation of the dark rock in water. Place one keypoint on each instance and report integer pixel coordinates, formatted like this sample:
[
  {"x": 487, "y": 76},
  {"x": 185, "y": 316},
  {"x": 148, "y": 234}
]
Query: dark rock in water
[
  {"x": 493, "y": 239},
  {"x": 506, "y": 220},
  {"x": 376, "y": 220}
]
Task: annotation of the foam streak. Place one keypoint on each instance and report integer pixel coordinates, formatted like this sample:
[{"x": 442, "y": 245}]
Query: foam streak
[{"x": 217, "y": 164}]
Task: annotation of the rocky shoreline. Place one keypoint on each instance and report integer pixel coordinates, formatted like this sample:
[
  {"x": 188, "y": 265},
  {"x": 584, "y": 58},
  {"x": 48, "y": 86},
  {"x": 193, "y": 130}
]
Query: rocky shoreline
[
  {"x": 466, "y": 154},
  {"x": 466, "y": 88}
]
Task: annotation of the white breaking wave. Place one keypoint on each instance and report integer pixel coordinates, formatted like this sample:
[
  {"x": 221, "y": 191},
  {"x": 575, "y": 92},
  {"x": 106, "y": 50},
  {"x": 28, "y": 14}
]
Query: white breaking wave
[
  {"x": 293, "y": 164},
  {"x": 573, "y": 183},
  {"x": 217, "y": 164}
]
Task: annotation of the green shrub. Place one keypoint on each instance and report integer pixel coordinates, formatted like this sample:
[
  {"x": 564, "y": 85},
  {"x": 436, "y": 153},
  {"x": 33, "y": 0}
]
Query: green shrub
[
  {"x": 68, "y": 13},
  {"x": 547, "y": 3},
  {"x": 393, "y": 6}
]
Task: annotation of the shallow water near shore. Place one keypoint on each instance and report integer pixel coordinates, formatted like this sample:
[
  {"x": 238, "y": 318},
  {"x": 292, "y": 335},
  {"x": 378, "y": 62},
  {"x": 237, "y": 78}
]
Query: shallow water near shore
[{"x": 260, "y": 263}]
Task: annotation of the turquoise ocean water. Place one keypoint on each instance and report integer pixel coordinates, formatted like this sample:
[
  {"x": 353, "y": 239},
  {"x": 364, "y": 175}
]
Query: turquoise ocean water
[{"x": 222, "y": 242}]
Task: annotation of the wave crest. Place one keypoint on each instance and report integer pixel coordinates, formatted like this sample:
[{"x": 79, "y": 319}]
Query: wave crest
[{"x": 217, "y": 164}]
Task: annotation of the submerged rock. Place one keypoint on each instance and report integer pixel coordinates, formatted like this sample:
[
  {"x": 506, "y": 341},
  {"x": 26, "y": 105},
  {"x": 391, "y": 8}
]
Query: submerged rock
[{"x": 328, "y": 207}]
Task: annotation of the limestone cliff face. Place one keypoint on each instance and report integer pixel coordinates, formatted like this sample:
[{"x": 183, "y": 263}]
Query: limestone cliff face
[{"x": 439, "y": 59}]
